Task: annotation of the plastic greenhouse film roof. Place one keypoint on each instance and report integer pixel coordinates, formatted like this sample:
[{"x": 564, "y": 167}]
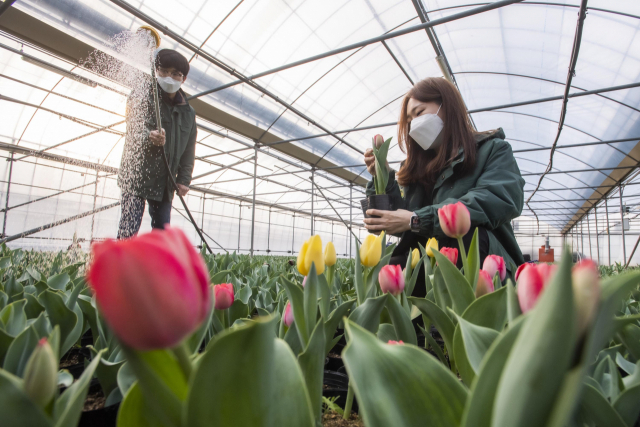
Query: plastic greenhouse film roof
[{"x": 513, "y": 54}]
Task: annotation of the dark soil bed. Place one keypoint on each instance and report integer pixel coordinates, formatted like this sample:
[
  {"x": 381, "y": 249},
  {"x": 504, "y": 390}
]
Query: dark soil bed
[{"x": 331, "y": 419}]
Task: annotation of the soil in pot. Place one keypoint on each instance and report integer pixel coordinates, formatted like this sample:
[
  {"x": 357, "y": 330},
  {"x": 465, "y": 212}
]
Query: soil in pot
[
  {"x": 332, "y": 419},
  {"x": 336, "y": 384},
  {"x": 381, "y": 202},
  {"x": 73, "y": 361},
  {"x": 94, "y": 413}
]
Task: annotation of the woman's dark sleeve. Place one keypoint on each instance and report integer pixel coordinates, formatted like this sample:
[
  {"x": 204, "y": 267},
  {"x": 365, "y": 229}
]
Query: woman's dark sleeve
[{"x": 496, "y": 199}]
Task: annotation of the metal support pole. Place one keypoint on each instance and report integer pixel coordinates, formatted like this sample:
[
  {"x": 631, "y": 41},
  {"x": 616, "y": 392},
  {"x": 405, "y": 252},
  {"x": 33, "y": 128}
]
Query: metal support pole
[
  {"x": 6, "y": 204},
  {"x": 239, "y": 222},
  {"x": 350, "y": 216},
  {"x": 313, "y": 173},
  {"x": 253, "y": 202},
  {"x": 624, "y": 243},
  {"x": 293, "y": 232},
  {"x": 581, "y": 239},
  {"x": 606, "y": 211},
  {"x": 597, "y": 236},
  {"x": 202, "y": 242},
  {"x": 95, "y": 197},
  {"x": 589, "y": 232},
  {"x": 269, "y": 232}
]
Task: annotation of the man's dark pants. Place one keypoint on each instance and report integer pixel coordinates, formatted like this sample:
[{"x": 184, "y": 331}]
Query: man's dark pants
[{"x": 133, "y": 210}]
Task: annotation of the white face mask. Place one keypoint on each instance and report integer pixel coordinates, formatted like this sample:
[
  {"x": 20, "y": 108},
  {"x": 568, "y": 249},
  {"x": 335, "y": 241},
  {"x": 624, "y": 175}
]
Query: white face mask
[
  {"x": 426, "y": 130},
  {"x": 168, "y": 84}
]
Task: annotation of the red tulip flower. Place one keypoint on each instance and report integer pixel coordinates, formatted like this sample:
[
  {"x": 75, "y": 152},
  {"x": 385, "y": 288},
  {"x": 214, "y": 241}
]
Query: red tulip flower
[
  {"x": 391, "y": 279},
  {"x": 485, "y": 283},
  {"x": 393, "y": 342},
  {"x": 287, "y": 316},
  {"x": 224, "y": 296},
  {"x": 451, "y": 253},
  {"x": 495, "y": 264},
  {"x": 153, "y": 290},
  {"x": 455, "y": 220}
]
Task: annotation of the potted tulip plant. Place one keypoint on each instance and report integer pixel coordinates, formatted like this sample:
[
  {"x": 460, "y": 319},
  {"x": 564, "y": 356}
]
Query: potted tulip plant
[{"x": 380, "y": 200}]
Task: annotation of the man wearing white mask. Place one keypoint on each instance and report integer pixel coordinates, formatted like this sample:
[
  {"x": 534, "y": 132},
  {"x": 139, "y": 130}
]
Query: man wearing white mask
[
  {"x": 143, "y": 176},
  {"x": 448, "y": 161}
]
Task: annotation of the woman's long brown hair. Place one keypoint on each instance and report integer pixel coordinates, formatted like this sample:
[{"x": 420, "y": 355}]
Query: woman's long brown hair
[{"x": 424, "y": 166}]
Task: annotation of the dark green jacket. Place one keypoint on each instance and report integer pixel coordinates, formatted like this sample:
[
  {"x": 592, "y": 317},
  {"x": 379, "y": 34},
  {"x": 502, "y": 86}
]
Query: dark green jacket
[
  {"x": 142, "y": 171},
  {"x": 493, "y": 193}
]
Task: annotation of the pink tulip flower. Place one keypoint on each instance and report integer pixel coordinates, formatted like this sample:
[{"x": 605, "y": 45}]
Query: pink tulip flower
[
  {"x": 519, "y": 270},
  {"x": 224, "y": 296},
  {"x": 287, "y": 316},
  {"x": 531, "y": 283},
  {"x": 586, "y": 292},
  {"x": 495, "y": 264},
  {"x": 455, "y": 220},
  {"x": 485, "y": 284},
  {"x": 393, "y": 342},
  {"x": 391, "y": 279},
  {"x": 153, "y": 289},
  {"x": 451, "y": 253},
  {"x": 378, "y": 140}
]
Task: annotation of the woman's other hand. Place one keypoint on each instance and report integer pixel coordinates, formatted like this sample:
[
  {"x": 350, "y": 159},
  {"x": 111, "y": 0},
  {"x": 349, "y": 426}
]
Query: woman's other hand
[
  {"x": 370, "y": 161},
  {"x": 393, "y": 222}
]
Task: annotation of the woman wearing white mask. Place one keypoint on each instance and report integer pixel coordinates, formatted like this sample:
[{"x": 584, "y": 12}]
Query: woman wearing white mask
[
  {"x": 143, "y": 176},
  {"x": 448, "y": 161}
]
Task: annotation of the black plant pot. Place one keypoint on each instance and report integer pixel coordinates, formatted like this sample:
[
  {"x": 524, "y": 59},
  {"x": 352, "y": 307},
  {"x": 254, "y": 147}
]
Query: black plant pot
[
  {"x": 337, "y": 385},
  {"x": 103, "y": 417},
  {"x": 381, "y": 202},
  {"x": 333, "y": 363}
]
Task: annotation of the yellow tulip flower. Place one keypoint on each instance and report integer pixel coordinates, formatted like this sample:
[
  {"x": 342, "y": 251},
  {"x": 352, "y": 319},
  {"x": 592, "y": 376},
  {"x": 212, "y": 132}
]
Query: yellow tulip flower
[
  {"x": 314, "y": 255},
  {"x": 301, "y": 255},
  {"x": 415, "y": 257},
  {"x": 371, "y": 250},
  {"x": 330, "y": 256},
  {"x": 432, "y": 243}
]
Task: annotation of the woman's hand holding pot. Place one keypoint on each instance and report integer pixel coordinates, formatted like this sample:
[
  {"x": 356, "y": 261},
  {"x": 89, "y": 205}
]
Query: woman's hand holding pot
[{"x": 393, "y": 222}]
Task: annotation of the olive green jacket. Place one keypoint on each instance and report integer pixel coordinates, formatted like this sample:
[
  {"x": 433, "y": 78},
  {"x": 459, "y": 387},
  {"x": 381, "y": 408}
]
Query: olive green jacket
[
  {"x": 142, "y": 171},
  {"x": 493, "y": 193}
]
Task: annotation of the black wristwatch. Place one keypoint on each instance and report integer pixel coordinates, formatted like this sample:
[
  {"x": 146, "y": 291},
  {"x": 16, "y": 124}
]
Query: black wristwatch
[{"x": 415, "y": 223}]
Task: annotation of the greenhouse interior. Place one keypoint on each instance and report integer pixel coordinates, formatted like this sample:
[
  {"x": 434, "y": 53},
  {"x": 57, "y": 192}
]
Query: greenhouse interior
[{"x": 382, "y": 213}]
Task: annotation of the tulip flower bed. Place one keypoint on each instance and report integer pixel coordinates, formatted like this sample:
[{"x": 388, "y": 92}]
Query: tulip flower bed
[{"x": 165, "y": 336}]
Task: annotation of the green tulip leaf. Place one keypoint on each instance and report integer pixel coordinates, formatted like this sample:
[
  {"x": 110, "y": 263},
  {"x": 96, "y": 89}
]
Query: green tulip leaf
[
  {"x": 59, "y": 314},
  {"x": 513, "y": 305},
  {"x": 489, "y": 311},
  {"x": 626, "y": 405},
  {"x": 479, "y": 407},
  {"x": 458, "y": 286},
  {"x": 400, "y": 385},
  {"x": 311, "y": 299},
  {"x": 358, "y": 277},
  {"x": 59, "y": 281},
  {"x": 20, "y": 350},
  {"x": 473, "y": 261},
  {"x": 387, "y": 332},
  {"x": 33, "y": 308},
  {"x": 625, "y": 365},
  {"x": 477, "y": 340},
  {"x": 126, "y": 378},
  {"x": 13, "y": 289},
  {"x": 629, "y": 335},
  {"x": 220, "y": 277},
  {"x": 368, "y": 314},
  {"x": 134, "y": 412},
  {"x": 268, "y": 390},
  {"x": 312, "y": 365},
  {"x": 324, "y": 295},
  {"x": 331, "y": 325},
  {"x": 13, "y": 317},
  {"x": 17, "y": 409},
  {"x": 68, "y": 407},
  {"x": 541, "y": 355},
  {"x": 401, "y": 321},
  {"x": 441, "y": 292},
  {"x": 599, "y": 410},
  {"x": 295, "y": 293}
]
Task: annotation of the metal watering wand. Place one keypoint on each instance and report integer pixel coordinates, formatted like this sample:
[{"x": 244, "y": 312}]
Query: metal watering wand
[{"x": 156, "y": 100}]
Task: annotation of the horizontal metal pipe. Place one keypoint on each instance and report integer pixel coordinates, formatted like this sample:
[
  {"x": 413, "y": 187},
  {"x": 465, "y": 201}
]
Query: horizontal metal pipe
[
  {"x": 223, "y": 168},
  {"x": 378, "y": 39},
  {"x": 579, "y": 170},
  {"x": 46, "y": 197},
  {"x": 55, "y": 224}
]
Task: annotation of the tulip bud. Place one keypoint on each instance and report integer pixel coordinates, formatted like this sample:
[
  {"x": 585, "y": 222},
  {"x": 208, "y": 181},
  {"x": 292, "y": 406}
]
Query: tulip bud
[
  {"x": 41, "y": 374},
  {"x": 287, "y": 316},
  {"x": 531, "y": 282},
  {"x": 586, "y": 291},
  {"x": 330, "y": 257},
  {"x": 415, "y": 258},
  {"x": 391, "y": 279},
  {"x": 451, "y": 253},
  {"x": 378, "y": 140},
  {"x": 455, "y": 220},
  {"x": 371, "y": 250},
  {"x": 314, "y": 255},
  {"x": 224, "y": 296},
  {"x": 495, "y": 264},
  {"x": 153, "y": 289},
  {"x": 393, "y": 342},
  {"x": 485, "y": 284},
  {"x": 432, "y": 243},
  {"x": 519, "y": 270},
  {"x": 300, "y": 261}
]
